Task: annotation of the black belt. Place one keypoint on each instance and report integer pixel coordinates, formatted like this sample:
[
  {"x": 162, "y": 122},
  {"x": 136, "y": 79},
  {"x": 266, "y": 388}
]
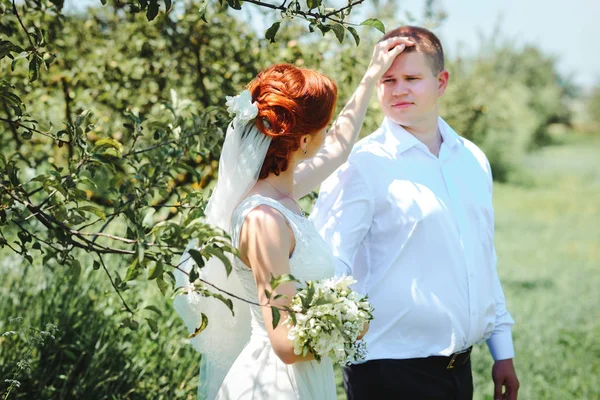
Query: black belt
[{"x": 456, "y": 359}]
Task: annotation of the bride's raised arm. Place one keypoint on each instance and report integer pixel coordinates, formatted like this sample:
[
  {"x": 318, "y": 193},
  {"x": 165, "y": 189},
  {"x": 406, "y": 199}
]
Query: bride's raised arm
[{"x": 345, "y": 129}]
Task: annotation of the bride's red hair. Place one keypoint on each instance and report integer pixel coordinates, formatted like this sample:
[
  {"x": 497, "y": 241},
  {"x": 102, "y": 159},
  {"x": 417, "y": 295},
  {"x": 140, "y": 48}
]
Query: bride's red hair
[{"x": 292, "y": 102}]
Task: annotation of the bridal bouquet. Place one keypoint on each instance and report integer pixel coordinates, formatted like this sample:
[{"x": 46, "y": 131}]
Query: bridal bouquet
[{"x": 327, "y": 320}]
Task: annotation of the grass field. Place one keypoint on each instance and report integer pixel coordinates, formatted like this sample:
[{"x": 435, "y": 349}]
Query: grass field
[{"x": 547, "y": 239}]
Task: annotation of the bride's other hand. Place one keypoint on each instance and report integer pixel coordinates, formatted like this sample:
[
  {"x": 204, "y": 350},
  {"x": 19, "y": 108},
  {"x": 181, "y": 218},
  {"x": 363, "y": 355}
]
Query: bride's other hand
[
  {"x": 384, "y": 54},
  {"x": 364, "y": 331}
]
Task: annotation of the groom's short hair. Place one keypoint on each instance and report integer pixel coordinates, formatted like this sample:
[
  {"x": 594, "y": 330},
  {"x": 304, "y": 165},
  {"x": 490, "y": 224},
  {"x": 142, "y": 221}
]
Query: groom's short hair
[{"x": 426, "y": 42}]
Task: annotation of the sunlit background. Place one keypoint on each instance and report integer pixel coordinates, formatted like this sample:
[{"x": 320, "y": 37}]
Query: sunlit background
[{"x": 525, "y": 86}]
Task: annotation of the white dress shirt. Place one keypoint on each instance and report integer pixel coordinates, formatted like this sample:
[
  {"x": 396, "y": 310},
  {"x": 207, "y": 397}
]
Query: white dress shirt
[{"x": 417, "y": 232}]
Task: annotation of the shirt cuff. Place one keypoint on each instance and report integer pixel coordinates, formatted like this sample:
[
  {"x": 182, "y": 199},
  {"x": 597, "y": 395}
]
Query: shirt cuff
[{"x": 501, "y": 345}]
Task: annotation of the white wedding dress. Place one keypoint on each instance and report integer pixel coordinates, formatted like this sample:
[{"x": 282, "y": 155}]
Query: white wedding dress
[{"x": 258, "y": 373}]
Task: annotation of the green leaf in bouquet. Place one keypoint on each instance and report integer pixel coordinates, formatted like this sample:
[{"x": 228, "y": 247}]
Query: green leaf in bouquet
[
  {"x": 339, "y": 327},
  {"x": 310, "y": 294},
  {"x": 292, "y": 314}
]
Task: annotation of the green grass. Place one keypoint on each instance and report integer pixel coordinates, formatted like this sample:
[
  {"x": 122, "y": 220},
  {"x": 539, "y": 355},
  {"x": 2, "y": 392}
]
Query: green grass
[
  {"x": 548, "y": 245},
  {"x": 548, "y": 242}
]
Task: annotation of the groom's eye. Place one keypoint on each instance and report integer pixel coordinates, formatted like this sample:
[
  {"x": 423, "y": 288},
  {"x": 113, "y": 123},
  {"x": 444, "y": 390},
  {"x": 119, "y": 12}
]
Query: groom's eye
[{"x": 388, "y": 80}]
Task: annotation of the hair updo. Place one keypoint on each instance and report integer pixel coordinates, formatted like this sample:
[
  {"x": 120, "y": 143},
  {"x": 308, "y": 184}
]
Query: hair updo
[{"x": 292, "y": 102}]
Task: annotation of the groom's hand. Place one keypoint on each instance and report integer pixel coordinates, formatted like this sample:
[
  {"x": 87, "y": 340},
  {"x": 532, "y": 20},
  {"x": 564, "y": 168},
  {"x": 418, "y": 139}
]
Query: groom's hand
[{"x": 505, "y": 377}]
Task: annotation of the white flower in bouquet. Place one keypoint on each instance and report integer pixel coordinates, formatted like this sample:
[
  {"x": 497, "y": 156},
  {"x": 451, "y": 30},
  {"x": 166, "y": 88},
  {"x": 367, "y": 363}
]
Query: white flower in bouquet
[{"x": 327, "y": 320}]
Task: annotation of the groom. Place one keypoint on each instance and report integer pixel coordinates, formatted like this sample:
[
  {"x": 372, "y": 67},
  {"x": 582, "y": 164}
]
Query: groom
[{"x": 410, "y": 216}]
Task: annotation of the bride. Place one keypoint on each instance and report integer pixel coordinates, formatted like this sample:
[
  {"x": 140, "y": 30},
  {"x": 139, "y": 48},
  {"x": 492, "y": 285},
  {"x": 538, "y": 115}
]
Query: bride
[{"x": 275, "y": 151}]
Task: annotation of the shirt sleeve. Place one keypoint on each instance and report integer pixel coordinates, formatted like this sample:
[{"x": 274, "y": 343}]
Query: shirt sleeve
[
  {"x": 343, "y": 214},
  {"x": 500, "y": 343}
]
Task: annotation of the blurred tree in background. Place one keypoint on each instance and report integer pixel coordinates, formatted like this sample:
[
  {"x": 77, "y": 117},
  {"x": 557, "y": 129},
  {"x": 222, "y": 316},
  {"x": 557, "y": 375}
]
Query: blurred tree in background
[{"x": 110, "y": 139}]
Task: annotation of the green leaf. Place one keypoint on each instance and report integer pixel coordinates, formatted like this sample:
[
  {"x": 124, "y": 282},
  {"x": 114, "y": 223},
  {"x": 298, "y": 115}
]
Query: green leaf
[
  {"x": 354, "y": 35},
  {"x": 340, "y": 31},
  {"x": 310, "y": 293},
  {"x": 197, "y": 257},
  {"x": 156, "y": 270},
  {"x": 292, "y": 314},
  {"x": 152, "y": 324},
  {"x": 203, "y": 325},
  {"x": 226, "y": 300},
  {"x": 34, "y": 68},
  {"x": 75, "y": 270},
  {"x": 324, "y": 28},
  {"x": 202, "y": 10},
  {"x": 218, "y": 252},
  {"x": 141, "y": 252},
  {"x": 194, "y": 274},
  {"x": 131, "y": 324},
  {"x": 109, "y": 142},
  {"x": 168, "y": 5},
  {"x": 162, "y": 285},
  {"x": 21, "y": 55},
  {"x": 276, "y": 316},
  {"x": 268, "y": 294},
  {"x": 272, "y": 31},
  {"x": 152, "y": 10},
  {"x": 375, "y": 23},
  {"x": 96, "y": 265},
  {"x": 235, "y": 4},
  {"x": 94, "y": 210},
  {"x": 281, "y": 279},
  {"x": 153, "y": 308},
  {"x": 133, "y": 270},
  {"x": 313, "y": 4}
]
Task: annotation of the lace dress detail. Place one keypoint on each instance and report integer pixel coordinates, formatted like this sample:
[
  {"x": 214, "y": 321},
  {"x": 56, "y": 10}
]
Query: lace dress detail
[{"x": 258, "y": 373}]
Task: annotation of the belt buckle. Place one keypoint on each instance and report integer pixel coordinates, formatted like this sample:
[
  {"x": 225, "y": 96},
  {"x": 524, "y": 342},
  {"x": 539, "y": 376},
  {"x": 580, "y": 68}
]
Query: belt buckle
[{"x": 451, "y": 363}]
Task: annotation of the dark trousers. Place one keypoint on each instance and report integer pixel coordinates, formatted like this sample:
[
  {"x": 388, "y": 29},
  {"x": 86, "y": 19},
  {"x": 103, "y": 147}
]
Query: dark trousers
[{"x": 411, "y": 379}]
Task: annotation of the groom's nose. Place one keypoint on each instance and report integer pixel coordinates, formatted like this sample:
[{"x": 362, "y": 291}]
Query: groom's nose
[{"x": 400, "y": 88}]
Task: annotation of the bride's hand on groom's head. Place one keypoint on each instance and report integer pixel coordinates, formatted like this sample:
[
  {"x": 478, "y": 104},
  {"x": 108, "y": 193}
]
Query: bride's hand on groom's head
[{"x": 385, "y": 52}]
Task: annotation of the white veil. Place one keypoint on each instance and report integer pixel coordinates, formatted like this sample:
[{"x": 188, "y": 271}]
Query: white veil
[{"x": 223, "y": 339}]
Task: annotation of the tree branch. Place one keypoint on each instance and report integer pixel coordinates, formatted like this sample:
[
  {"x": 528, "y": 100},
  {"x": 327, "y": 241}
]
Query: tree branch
[
  {"x": 113, "y": 285},
  {"x": 23, "y": 26},
  {"x": 305, "y": 14}
]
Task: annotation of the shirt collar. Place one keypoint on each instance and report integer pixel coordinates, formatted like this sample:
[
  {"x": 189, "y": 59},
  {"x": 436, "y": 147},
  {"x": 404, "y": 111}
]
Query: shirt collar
[
  {"x": 404, "y": 140},
  {"x": 450, "y": 137}
]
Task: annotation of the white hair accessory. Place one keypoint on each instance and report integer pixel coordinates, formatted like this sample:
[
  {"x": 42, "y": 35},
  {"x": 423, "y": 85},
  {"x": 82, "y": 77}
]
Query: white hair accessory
[{"x": 242, "y": 107}]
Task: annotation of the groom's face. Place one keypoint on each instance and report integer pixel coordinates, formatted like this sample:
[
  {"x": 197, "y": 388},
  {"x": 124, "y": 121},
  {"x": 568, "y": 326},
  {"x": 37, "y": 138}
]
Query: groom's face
[{"x": 409, "y": 90}]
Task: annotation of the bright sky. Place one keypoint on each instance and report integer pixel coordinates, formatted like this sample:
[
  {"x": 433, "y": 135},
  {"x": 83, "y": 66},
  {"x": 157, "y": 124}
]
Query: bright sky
[{"x": 568, "y": 30}]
